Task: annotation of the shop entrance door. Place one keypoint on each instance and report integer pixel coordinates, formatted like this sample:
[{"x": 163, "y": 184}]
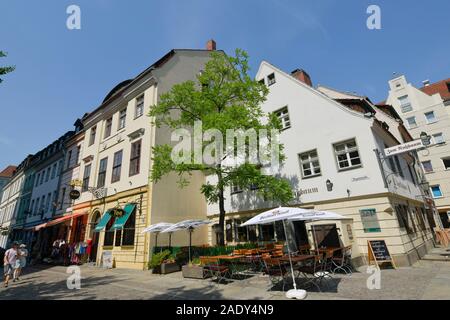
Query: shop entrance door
[
  {"x": 95, "y": 236},
  {"x": 301, "y": 235},
  {"x": 326, "y": 235}
]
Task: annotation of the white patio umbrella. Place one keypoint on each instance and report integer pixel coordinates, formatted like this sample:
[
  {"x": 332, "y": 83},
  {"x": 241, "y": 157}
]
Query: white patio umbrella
[
  {"x": 290, "y": 214},
  {"x": 156, "y": 229},
  {"x": 188, "y": 225}
]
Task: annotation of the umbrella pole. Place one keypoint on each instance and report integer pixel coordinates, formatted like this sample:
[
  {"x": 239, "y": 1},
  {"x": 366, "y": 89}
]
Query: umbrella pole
[
  {"x": 289, "y": 253},
  {"x": 190, "y": 243},
  {"x": 170, "y": 240},
  {"x": 314, "y": 238}
]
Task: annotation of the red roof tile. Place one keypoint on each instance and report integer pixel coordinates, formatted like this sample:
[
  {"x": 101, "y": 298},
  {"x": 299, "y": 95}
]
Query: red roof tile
[
  {"x": 8, "y": 171},
  {"x": 442, "y": 87}
]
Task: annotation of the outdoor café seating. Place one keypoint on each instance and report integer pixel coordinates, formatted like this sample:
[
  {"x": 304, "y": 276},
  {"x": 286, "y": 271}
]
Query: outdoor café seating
[
  {"x": 276, "y": 270},
  {"x": 217, "y": 271}
]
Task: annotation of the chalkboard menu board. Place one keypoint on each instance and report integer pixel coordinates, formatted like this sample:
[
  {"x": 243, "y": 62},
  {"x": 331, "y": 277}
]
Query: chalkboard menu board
[{"x": 378, "y": 252}]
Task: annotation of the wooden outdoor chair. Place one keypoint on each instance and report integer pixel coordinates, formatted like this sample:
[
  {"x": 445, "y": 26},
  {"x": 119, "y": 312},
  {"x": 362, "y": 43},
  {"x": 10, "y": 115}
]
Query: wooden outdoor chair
[
  {"x": 304, "y": 249},
  {"x": 314, "y": 271},
  {"x": 215, "y": 269},
  {"x": 276, "y": 271}
]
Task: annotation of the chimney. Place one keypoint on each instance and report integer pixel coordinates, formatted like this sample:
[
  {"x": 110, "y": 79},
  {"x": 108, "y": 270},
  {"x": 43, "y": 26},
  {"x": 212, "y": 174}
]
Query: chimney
[
  {"x": 302, "y": 76},
  {"x": 426, "y": 83},
  {"x": 211, "y": 45}
]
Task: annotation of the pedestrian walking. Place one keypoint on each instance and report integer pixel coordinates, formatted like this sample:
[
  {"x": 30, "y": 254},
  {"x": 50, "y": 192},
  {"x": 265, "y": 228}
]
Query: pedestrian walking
[
  {"x": 9, "y": 262},
  {"x": 21, "y": 261}
]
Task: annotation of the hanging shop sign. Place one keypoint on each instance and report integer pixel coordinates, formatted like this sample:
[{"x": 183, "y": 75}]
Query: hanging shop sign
[
  {"x": 74, "y": 194},
  {"x": 402, "y": 148},
  {"x": 378, "y": 253}
]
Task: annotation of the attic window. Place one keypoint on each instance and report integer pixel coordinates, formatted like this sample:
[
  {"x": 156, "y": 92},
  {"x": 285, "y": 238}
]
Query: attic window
[
  {"x": 448, "y": 86},
  {"x": 271, "y": 79}
]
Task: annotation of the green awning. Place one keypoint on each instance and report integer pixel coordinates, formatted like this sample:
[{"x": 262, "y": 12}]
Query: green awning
[
  {"x": 120, "y": 222},
  {"x": 103, "y": 222}
]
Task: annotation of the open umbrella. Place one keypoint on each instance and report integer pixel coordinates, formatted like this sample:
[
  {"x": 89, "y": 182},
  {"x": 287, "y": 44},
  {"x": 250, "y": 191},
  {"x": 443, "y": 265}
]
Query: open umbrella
[
  {"x": 156, "y": 229},
  {"x": 287, "y": 214},
  {"x": 188, "y": 225}
]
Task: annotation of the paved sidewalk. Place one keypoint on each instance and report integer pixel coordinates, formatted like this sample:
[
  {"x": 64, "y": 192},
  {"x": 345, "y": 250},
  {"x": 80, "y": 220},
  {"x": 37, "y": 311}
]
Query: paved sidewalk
[{"x": 426, "y": 280}]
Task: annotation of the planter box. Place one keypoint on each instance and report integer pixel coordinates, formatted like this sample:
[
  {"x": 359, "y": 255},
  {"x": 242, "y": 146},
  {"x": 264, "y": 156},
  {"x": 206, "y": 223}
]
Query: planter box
[
  {"x": 194, "y": 272},
  {"x": 166, "y": 268}
]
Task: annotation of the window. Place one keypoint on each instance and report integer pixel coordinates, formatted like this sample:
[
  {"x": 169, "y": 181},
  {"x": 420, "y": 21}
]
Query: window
[
  {"x": 267, "y": 232},
  {"x": 109, "y": 234},
  {"x": 47, "y": 205},
  {"x": 411, "y": 122},
  {"x": 139, "y": 111},
  {"x": 436, "y": 191},
  {"x": 235, "y": 188},
  {"x": 129, "y": 230},
  {"x": 30, "y": 210},
  {"x": 36, "y": 209},
  {"x": 108, "y": 126},
  {"x": 427, "y": 166},
  {"x": 446, "y": 162},
  {"x": 309, "y": 162},
  {"x": 135, "y": 159},
  {"x": 92, "y": 136},
  {"x": 122, "y": 118},
  {"x": 431, "y": 118},
  {"x": 63, "y": 196},
  {"x": 69, "y": 158},
  {"x": 117, "y": 166},
  {"x": 347, "y": 155},
  {"x": 86, "y": 175},
  {"x": 241, "y": 234},
  {"x": 283, "y": 115},
  {"x": 448, "y": 86},
  {"x": 102, "y": 173},
  {"x": 271, "y": 79},
  {"x": 405, "y": 105},
  {"x": 438, "y": 138},
  {"x": 399, "y": 167},
  {"x": 262, "y": 81},
  {"x": 42, "y": 207},
  {"x": 47, "y": 175},
  {"x": 54, "y": 170},
  {"x": 78, "y": 154},
  {"x": 37, "y": 179},
  {"x": 229, "y": 230}
]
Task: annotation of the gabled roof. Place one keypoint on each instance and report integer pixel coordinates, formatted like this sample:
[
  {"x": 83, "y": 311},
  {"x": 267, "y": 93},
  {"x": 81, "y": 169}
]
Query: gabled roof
[
  {"x": 353, "y": 101},
  {"x": 307, "y": 87},
  {"x": 8, "y": 172},
  {"x": 441, "y": 87}
]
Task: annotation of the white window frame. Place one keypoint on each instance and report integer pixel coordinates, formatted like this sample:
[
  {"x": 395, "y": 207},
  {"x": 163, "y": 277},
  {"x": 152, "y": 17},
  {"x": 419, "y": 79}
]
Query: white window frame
[
  {"x": 271, "y": 81},
  {"x": 122, "y": 119},
  {"x": 405, "y": 104},
  {"x": 440, "y": 190},
  {"x": 434, "y": 116},
  {"x": 438, "y": 134},
  {"x": 284, "y": 118},
  {"x": 315, "y": 170},
  {"x": 347, "y": 152},
  {"x": 139, "y": 106},
  {"x": 411, "y": 126},
  {"x": 425, "y": 170}
]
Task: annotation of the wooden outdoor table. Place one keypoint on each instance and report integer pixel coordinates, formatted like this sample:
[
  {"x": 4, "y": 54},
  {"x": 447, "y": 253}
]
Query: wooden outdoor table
[
  {"x": 296, "y": 259},
  {"x": 331, "y": 250},
  {"x": 229, "y": 258}
]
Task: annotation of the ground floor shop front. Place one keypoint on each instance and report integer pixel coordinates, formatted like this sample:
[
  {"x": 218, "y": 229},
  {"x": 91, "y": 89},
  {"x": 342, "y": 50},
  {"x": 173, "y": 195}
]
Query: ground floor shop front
[{"x": 405, "y": 225}]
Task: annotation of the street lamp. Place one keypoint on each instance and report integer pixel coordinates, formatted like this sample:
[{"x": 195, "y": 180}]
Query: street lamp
[{"x": 426, "y": 139}]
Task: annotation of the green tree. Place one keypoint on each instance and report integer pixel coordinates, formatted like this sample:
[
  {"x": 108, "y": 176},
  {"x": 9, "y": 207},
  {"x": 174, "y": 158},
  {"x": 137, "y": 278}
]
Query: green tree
[
  {"x": 224, "y": 97},
  {"x": 7, "y": 69}
]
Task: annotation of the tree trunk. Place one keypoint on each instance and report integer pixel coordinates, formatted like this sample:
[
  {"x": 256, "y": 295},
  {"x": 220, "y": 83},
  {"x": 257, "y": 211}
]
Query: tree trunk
[{"x": 221, "y": 211}]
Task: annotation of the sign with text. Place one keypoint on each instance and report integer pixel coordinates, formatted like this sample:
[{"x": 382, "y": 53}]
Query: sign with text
[
  {"x": 107, "y": 258},
  {"x": 369, "y": 220},
  {"x": 402, "y": 148},
  {"x": 378, "y": 252}
]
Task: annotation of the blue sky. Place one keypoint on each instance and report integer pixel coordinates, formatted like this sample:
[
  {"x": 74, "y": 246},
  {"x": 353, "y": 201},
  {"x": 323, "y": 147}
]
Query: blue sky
[{"x": 62, "y": 74}]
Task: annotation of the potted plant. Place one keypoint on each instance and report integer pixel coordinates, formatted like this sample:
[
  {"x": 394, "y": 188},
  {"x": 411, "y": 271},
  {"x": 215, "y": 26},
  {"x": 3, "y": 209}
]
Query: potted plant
[
  {"x": 194, "y": 270},
  {"x": 164, "y": 263}
]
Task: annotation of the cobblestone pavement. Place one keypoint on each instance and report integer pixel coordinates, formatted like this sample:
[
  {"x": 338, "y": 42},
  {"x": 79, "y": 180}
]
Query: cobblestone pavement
[{"x": 425, "y": 280}]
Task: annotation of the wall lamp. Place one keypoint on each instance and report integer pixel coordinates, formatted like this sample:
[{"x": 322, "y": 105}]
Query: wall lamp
[{"x": 329, "y": 185}]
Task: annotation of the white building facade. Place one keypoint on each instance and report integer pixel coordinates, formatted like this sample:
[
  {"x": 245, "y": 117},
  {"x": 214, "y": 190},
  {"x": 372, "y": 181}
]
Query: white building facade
[
  {"x": 427, "y": 110},
  {"x": 335, "y": 163}
]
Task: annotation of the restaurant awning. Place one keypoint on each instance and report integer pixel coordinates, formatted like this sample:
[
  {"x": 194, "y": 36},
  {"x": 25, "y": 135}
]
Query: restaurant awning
[
  {"x": 103, "y": 221},
  {"x": 120, "y": 222},
  {"x": 59, "y": 220}
]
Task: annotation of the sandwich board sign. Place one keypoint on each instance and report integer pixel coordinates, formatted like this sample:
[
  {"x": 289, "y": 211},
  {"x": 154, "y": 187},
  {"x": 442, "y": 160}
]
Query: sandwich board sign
[
  {"x": 378, "y": 253},
  {"x": 107, "y": 259}
]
